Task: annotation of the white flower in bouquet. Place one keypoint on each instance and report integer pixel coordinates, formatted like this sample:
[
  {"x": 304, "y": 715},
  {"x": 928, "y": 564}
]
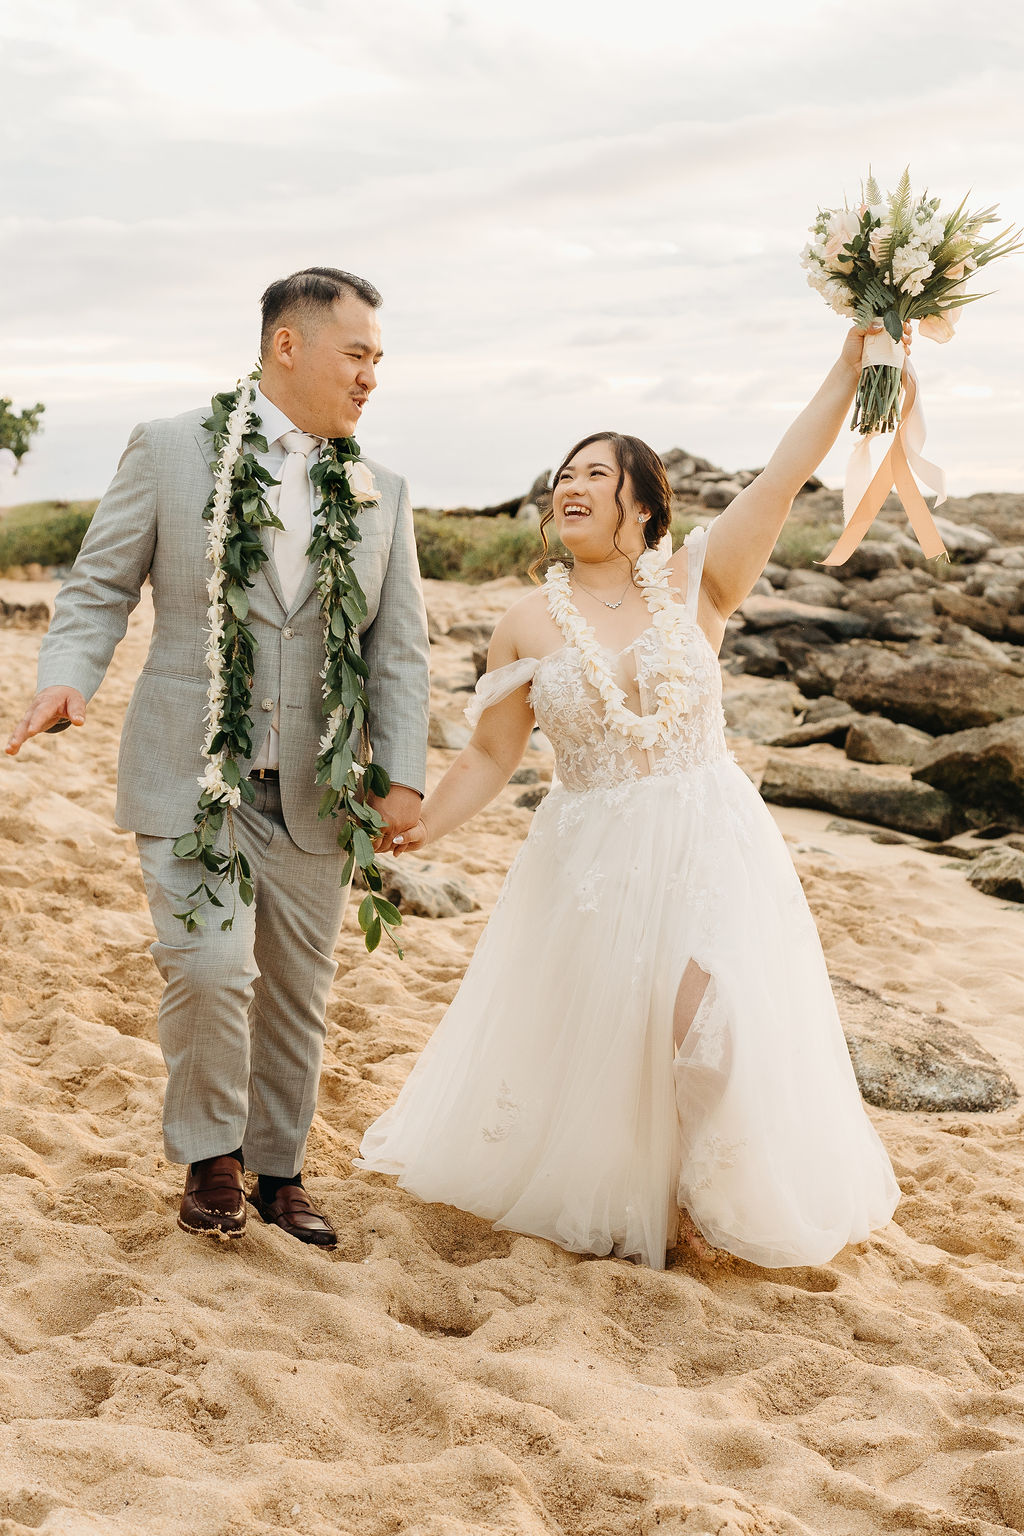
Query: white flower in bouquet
[{"x": 899, "y": 258}]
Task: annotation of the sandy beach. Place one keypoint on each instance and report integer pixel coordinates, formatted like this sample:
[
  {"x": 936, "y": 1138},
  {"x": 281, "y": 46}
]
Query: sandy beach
[{"x": 433, "y": 1377}]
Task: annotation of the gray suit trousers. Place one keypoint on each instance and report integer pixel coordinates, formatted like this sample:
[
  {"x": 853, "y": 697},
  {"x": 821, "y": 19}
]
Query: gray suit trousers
[{"x": 241, "y": 1020}]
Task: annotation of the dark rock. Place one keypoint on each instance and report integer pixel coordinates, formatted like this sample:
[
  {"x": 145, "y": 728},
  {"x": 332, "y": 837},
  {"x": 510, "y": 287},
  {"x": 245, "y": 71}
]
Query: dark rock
[
  {"x": 999, "y": 872},
  {"x": 719, "y": 493},
  {"x": 480, "y": 660},
  {"x": 897, "y": 803},
  {"x": 420, "y": 889},
  {"x": 821, "y": 708},
  {"x": 873, "y": 739},
  {"x": 760, "y": 656},
  {"x": 886, "y": 587},
  {"x": 869, "y": 558},
  {"x": 763, "y": 712},
  {"x": 814, "y": 669},
  {"x": 525, "y": 776},
  {"x": 24, "y": 615},
  {"x": 976, "y": 613},
  {"x": 951, "y": 851},
  {"x": 891, "y": 624},
  {"x": 475, "y": 634},
  {"x": 936, "y": 693},
  {"x": 832, "y": 728},
  {"x": 452, "y": 735},
  {"x": 776, "y": 574},
  {"x": 531, "y": 798},
  {"x": 797, "y": 580},
  {"x": 760, "y": 613},
  {"x": 982, "y": 769},
  {"x": 905, "y": 1059},
  {"x": 967, "y": 542}
]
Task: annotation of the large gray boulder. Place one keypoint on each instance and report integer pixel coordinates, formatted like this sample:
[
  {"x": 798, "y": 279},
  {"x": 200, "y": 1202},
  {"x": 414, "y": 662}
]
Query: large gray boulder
[
  {"x": 900, "y": 803},
  {"x": 989, "y": 619},
  {"x": 874, "y": 739},
  {"x": 763, "y": 712},
  {"x": 908, "y": 1060},
  {"x": 999, "y": 872},
  {"x": 423, "y": 889},
  {"x": 935, "y": 692},
  {"x": 760, "y": 613},
  {"x": 969, "y": 541},
  {"x": 981, "y": 768}
]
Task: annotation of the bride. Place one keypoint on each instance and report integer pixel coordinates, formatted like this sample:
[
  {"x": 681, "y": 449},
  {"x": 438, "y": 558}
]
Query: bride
[{"x": 645, "y": 1048}]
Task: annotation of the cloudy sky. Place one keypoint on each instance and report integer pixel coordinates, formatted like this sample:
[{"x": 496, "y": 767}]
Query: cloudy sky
[{"x": 582, "y": 215}]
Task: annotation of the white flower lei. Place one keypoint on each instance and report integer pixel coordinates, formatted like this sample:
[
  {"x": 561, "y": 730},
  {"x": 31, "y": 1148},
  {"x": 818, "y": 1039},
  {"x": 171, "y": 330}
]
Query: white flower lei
[
  {"x": 345, "y": 485},
  {"x": 676, "y": 693}
]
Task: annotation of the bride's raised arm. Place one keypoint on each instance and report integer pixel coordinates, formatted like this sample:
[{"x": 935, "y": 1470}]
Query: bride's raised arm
[{"x": 744, "y": 535}]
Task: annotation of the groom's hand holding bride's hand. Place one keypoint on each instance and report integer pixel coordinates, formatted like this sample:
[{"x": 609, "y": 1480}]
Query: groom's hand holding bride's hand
[
  {"x": 414, "y": 838},
  {"x": 400, "y": 809},
  {"x": 49, "y": 707}
]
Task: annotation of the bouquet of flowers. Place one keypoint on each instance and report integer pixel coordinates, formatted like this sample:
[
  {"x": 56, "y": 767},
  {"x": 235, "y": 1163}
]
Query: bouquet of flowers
[{"x": 898, "y": 258}]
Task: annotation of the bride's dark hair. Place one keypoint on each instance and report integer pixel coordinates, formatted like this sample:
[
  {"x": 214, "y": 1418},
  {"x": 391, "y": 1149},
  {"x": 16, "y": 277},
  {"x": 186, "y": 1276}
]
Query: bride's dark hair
[{"x": 647, "y": 479}]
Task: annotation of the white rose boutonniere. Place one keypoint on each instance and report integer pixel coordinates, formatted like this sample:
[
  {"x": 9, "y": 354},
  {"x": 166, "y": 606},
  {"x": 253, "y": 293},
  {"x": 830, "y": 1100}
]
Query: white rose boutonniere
[{"x": 360, "y": 482}]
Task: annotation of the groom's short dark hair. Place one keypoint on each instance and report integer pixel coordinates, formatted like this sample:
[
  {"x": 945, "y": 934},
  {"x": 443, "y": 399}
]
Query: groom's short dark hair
[{"x": 308, "y": 292}]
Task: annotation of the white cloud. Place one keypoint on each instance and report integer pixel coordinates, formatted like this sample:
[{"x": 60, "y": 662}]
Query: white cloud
[{"x": 552, "y": 195}]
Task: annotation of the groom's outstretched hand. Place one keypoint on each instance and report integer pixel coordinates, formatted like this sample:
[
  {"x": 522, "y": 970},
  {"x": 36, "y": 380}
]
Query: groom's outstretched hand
[
  {"x": 50, "y": 707},
  {"x": 400, "y": 808}
]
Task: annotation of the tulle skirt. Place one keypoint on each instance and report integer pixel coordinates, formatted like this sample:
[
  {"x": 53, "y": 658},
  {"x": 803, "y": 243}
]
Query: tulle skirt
[{"x": 551, "y": 1098}]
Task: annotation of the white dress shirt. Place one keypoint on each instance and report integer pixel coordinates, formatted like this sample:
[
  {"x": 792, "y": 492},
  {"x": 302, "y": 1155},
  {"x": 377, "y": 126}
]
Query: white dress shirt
[{"x": 274, "y": 424}]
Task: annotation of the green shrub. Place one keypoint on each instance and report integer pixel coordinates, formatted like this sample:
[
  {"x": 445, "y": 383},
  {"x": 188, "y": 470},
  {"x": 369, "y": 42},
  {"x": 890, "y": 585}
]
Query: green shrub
[{"x": 44, "y": 532}]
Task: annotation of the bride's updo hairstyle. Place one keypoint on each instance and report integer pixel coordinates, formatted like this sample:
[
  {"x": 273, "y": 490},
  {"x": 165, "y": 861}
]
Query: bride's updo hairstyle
[{"x": 648, "y": 483}]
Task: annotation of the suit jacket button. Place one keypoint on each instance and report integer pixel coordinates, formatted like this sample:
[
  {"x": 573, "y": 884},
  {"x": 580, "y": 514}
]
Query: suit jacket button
[
  {"x": 288, "y": 633},
  {"x": 267, "y": 705}
]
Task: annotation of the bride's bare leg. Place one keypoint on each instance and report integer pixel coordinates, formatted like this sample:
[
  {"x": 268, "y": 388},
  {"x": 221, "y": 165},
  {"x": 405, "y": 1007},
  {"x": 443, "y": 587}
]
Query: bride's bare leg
[{"x": 688, "y": 1000}]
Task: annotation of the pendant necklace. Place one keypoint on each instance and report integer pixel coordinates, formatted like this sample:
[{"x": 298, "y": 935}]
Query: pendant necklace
[{"x": 597, "y": 599}]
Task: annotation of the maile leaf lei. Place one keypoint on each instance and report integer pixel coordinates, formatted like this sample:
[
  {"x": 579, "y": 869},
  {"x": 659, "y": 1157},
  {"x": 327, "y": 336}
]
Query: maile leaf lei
[{"x": 237, "y": 511}]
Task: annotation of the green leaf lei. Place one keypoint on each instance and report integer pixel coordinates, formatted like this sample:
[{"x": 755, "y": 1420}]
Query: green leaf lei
[{"x": 237, "y": 511}]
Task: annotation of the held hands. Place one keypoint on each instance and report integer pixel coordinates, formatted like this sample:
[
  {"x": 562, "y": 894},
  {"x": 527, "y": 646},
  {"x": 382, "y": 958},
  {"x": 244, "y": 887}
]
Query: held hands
[
  {"x": 49, "y": 708},
  {"x": 400, "y": 808},
  {"x": 853, "y": 346},
  {"x": 408, "y": 842}
]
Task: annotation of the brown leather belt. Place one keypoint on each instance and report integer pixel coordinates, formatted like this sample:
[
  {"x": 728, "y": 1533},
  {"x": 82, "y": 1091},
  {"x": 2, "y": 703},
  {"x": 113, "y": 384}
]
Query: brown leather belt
[{"x": 265, "y": 773}]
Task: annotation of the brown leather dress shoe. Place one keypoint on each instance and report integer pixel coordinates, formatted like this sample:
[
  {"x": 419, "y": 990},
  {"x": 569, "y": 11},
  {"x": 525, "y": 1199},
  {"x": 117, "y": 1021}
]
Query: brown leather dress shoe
[
  {"x": 292, "y": 1211},
  {"x": 214, "y": 1198}
]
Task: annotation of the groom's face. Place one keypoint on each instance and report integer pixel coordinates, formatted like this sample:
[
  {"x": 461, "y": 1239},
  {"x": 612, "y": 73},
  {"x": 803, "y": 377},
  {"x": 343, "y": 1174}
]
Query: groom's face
[{"x": 330, "y": 369}]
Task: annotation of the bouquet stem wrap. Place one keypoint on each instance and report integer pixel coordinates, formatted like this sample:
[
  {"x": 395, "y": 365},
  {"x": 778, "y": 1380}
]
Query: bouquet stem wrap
[{"x": 864, "y": 491}]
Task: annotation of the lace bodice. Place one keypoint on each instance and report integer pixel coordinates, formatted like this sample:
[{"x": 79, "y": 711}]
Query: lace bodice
[{"x": 589, "y": 752}]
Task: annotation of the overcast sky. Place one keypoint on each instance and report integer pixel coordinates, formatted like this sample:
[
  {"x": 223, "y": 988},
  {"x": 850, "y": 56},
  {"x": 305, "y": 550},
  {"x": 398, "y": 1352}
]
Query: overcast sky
[{"x": 581, "y": 214}]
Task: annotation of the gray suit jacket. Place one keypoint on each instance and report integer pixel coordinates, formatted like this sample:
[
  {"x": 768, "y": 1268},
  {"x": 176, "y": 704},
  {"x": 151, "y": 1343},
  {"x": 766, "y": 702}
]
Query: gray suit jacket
[{"x": 150, "y": 523}]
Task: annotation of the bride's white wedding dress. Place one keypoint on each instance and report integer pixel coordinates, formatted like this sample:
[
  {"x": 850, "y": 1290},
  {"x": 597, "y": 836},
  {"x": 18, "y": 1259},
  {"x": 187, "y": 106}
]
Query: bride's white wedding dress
[{"x": 551, "y": 1099}]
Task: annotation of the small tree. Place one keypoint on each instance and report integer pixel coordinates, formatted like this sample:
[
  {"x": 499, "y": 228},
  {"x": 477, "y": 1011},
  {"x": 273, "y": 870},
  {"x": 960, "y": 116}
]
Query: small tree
[{"x": 18, "y": 430}]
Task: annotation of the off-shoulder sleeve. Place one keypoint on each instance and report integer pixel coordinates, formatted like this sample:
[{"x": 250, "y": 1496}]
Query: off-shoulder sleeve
[{"x": 497, "y": 685}]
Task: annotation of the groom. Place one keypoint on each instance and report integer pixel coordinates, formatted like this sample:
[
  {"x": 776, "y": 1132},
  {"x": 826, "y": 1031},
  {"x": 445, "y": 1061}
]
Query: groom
[{"x": 241, "y": 1020}]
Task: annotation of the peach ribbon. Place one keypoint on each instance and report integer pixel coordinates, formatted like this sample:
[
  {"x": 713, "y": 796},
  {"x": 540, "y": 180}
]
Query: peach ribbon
[{"x": 864, "y": 492}]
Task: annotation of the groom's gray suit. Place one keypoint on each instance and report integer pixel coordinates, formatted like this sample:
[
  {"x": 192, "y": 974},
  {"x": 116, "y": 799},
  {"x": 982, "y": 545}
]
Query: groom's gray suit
[{"x": 242, "y": 1017}]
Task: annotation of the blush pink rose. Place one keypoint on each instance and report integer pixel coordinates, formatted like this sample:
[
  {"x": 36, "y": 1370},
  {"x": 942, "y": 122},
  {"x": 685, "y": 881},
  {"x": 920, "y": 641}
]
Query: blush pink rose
[{"x": 939, "y": 327}]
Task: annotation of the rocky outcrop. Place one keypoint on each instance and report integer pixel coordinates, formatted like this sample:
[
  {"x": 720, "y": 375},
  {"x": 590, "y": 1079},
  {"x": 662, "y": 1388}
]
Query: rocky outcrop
[
  {"x": 873, "y": 739},
  {"x": 999, "y": 872},
  {"x": 760, "y": 613},
  {"x": 900, "y": 803},
  {"x": 24, "y": 615},
  {"x": 935, "y": 693},
  {"x": 423, "y": 889},
  {"x": 908, "y": 1060},
  {"x": 982, "y": 769}
]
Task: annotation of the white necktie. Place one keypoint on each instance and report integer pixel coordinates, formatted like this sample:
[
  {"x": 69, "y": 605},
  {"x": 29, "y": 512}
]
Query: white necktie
[{"x": 292, "y": 541}]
